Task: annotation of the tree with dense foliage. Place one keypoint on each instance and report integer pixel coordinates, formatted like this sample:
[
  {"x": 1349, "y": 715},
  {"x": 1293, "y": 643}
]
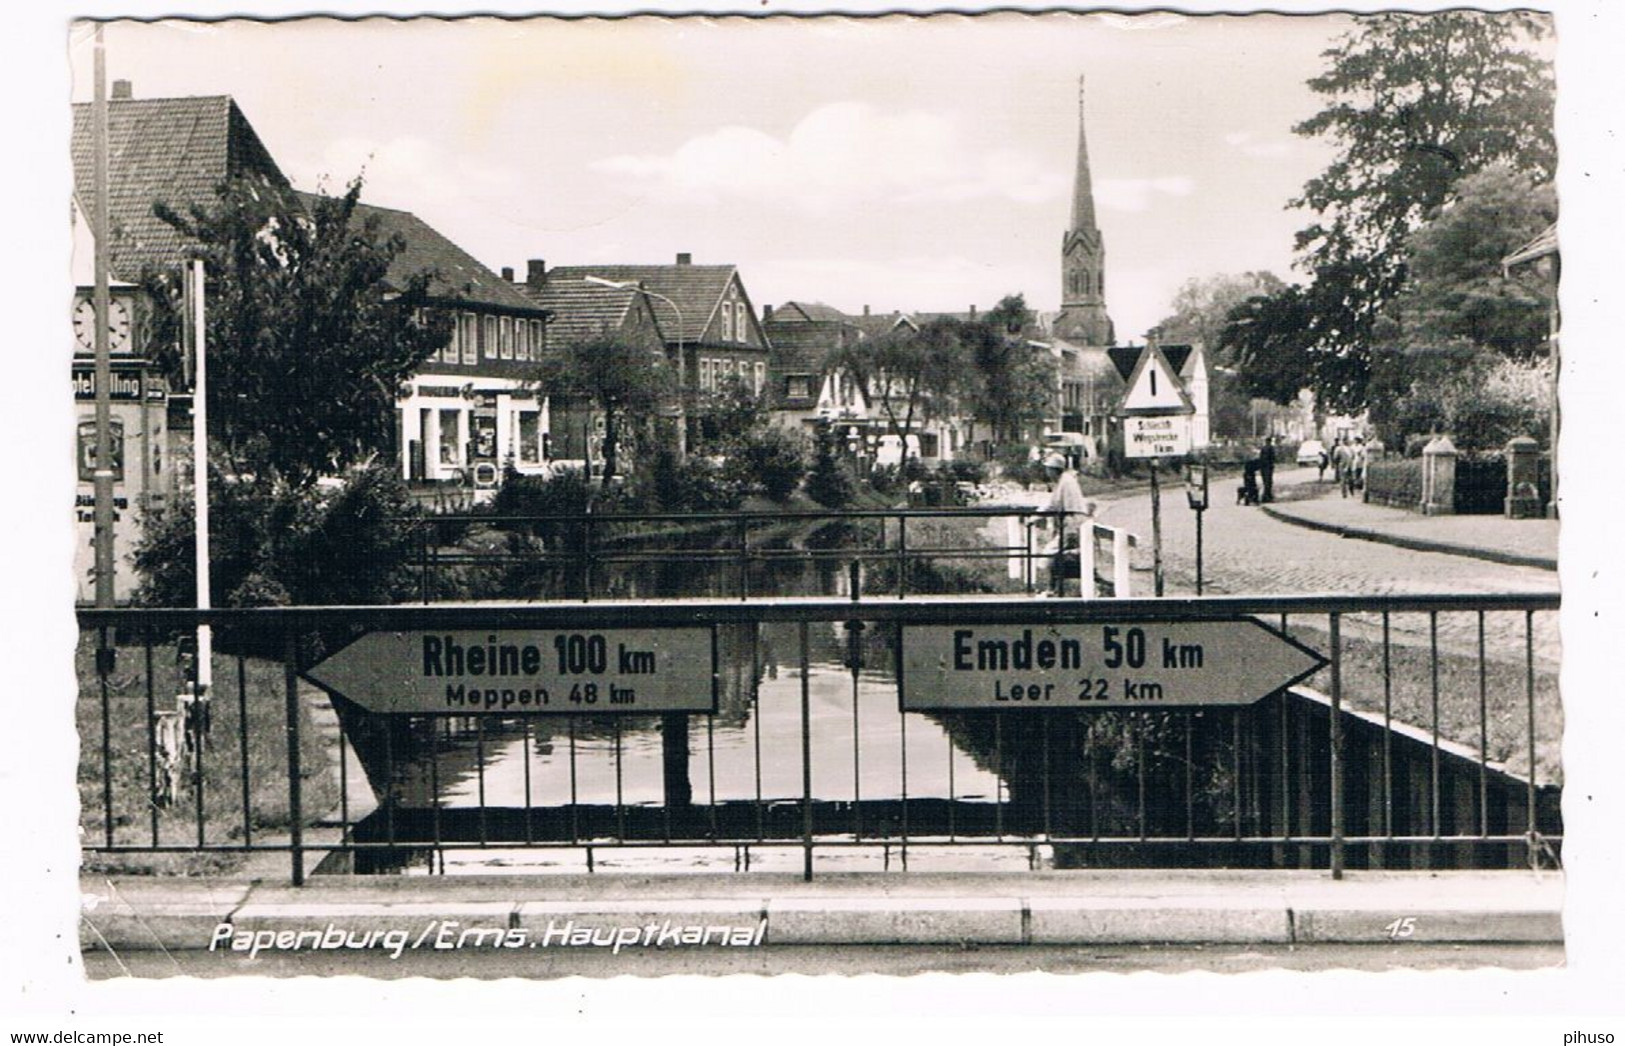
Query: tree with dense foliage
[
  {"x": 1201, "y": 308},
  {"x": 309, "y": 343},
  {"x": 1415, "y": 103},
  {"x": 1015, "y": 385},
  {"x": 1458, "y": 290},
  {"x": 914, "y": 377},
  {"x": 622, "y": 379}
]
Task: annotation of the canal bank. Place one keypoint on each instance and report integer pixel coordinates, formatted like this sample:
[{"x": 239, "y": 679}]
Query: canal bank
[{"x": 711, "y": 912}]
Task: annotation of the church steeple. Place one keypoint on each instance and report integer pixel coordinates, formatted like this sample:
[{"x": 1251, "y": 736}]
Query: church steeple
[
  {"x": 1083, "y": 190},
  {"x": 1083, "y": 318}
]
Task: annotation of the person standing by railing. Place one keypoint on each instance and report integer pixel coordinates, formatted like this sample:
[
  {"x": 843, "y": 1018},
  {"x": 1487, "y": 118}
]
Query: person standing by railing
[{"x": 1073, "y": 512}]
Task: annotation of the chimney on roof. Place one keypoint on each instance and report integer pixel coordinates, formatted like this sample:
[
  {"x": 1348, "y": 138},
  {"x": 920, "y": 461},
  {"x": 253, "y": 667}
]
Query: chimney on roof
[
  {"x": 866, "y": 310},
  {"x": 535, "y": 272},
  {"x": 767, "y": 313},
  {"x": 973, "y": 314},
  {"x": 507, "y": 274},
  {"x": 685, "y": 258},
  {"x": 122, "y": 91}
]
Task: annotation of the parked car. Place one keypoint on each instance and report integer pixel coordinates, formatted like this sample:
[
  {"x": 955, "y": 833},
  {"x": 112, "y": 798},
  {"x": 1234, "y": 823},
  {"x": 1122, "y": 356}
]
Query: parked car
[{"x": 1309, "y": 452}]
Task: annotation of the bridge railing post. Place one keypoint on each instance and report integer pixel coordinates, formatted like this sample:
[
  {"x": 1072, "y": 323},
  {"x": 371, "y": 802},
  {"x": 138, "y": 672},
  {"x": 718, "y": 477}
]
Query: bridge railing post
[
  {"x": 1121, "y": 587},
  {"x": 296, "y": 816},
  {"x": 1086, "y": 559}
]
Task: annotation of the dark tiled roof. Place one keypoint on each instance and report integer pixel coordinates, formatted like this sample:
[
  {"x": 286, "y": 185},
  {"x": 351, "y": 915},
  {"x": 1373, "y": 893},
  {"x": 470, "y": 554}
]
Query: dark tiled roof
[
  {"x": 581, "y": 310},
  {"x": 878, "y": 323},
  {"x": 174, "y": 150},
  {"x": 804, "y": 348},
  {"x": 695, "y": 288},
  {"x": 809, "y": 312},
  {"x": 456, "y": 274}
]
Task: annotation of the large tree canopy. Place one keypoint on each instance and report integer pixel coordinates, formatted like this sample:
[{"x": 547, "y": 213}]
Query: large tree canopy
[
  {"x": 308, "y": 344},
  {"x": 1415, "y": 103},
  {"x": 1458, "y": 289},
  {"x": 914, "y": 377},
  {"x": 1015, "y": 385}
]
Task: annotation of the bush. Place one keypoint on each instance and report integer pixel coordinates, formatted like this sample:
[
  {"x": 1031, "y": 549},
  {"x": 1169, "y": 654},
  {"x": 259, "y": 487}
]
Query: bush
[
  {"x": 1396, "y": 483},
  {"x": 830, "y": 481},
  {"x": 966, "y": 470},
  {"x": 1016, "y": 465},
  {"x": 768, "y": 458},
  {"x": 696, "y": 485},
  {"x": 354, "y": 545}
]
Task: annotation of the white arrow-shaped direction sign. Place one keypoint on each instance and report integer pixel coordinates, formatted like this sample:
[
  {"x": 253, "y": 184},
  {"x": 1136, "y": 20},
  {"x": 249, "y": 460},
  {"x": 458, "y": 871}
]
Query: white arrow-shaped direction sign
[
  {"x": 526, "y": 672},
  {"x": 1129, "y": 664}
]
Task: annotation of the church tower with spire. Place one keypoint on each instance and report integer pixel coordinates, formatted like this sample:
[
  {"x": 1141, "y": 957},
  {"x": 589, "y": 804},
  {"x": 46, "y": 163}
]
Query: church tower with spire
[{"x": 1083, "y": 319}]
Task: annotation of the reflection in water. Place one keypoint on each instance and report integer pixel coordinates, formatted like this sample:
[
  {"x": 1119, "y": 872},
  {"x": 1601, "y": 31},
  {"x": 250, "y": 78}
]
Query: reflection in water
[{"x": 750, "y": 750}]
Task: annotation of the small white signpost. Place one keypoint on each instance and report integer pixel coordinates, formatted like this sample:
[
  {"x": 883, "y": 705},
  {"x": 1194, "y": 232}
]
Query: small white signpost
[{"x": 1156, "y": 424}]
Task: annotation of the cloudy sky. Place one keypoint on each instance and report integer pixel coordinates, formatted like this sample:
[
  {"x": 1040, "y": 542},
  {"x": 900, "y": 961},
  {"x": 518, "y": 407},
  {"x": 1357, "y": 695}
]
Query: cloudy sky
[{"x": 897, "y": 162}]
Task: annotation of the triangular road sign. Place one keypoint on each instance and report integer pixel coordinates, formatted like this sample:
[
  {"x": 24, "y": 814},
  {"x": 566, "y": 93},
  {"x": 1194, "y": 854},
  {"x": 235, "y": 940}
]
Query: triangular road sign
[{"x": 1154, "y": 387}]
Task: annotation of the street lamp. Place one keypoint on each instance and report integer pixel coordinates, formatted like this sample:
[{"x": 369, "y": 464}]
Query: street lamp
[{"x": 638, "y": 288}]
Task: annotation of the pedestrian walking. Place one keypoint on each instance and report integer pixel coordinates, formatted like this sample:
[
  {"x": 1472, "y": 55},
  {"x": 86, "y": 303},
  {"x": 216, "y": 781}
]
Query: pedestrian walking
[
  {"x": 1325, "y": 459},
  {"x": 1343, "y": 458}
]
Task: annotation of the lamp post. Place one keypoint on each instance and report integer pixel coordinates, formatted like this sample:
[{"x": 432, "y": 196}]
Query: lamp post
[{"x": 682, "y": 369}]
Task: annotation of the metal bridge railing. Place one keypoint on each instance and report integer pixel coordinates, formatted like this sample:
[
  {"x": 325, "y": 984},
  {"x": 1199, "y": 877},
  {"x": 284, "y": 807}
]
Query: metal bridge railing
[
  {"x": 586, "y": 556},
  {"x": 1428, "y": 740}
]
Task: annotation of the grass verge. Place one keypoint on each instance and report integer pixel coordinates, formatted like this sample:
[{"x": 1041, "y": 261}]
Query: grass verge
[{"x": 116, "y": 764}]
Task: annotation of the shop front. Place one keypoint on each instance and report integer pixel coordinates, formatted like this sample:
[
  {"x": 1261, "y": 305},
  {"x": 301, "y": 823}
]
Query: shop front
[{"x": 467, "y": 433}]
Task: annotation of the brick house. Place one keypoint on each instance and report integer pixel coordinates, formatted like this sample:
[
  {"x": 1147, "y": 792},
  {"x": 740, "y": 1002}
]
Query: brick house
[
  {"x": 704, "y": 315},
  {"x": 581, "y": 311}
]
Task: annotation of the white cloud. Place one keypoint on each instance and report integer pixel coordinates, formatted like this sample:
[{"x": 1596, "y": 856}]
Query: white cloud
[
  {"x": 1139, "y": 194},
  {"x": 839, "y": 155},
  {"x": 406, "y": 172}
]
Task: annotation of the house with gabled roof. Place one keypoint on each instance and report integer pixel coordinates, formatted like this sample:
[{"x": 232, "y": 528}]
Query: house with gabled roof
[
  {"x": 808, "y": 390},
  {"x": 472, "y": 410},
  {"x": 581, "y": 311},
  {"x": 170, "y": 151},
  {"x": 705, "y": 316}
]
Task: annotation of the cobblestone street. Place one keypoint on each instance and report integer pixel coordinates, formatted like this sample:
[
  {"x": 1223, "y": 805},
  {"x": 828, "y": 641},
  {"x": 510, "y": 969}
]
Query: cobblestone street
[{"x": 1245, "y": 552}]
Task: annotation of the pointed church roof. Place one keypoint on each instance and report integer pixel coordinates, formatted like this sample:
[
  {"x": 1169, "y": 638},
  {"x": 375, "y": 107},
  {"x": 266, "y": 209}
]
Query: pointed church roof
[{"x": 1083, "y": 190}]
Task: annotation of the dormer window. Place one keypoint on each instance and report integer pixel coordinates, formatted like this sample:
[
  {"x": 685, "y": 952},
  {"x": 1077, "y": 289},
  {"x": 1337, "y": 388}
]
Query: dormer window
[
  {"x": 488, "y": 338},
  {"x": 506, "y": 344}
]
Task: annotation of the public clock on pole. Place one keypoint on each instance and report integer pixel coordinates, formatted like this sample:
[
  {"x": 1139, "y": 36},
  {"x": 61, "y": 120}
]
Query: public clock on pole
[{"x": 118, "y": 324}]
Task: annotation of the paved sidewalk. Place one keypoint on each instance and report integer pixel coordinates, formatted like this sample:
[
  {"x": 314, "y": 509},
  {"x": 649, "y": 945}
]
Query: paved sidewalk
[
  {"x": 1161, "y": 906},
  {"x": 1517, "y": 542}
]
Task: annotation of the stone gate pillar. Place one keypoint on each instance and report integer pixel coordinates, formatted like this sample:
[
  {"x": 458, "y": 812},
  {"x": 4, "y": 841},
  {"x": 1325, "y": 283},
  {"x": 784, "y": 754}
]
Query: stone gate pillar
[
  {"x": 1523, "y": 479},
  {"x": 1439, "y": 477}
]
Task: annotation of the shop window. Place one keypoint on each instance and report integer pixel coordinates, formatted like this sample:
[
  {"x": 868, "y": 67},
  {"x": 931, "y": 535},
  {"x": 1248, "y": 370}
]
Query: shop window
[
  {"x": 451, "y": 450},
  {"x": 530, "y": 439}
]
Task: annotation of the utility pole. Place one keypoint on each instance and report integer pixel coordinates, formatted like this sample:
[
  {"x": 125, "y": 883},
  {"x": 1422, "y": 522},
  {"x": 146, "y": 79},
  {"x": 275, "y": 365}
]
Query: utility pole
[
  {"x": 200, "y": 468},
  {"x": 102, "y": 477}
]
